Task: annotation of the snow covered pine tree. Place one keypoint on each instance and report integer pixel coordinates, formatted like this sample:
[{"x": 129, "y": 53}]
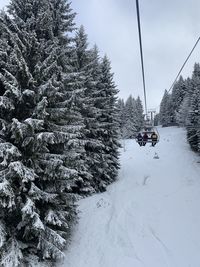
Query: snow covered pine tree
[
  {"x": 121, "y": 116},
  {"x": 96, "y": 82},
  {"x": 166, "y": 112},
  {"x": 108, "y": 124},
  {"x": 84, "y": 106},
  {"x": 177, "y": 96},
  {"x": 87, "y": 64},
  {"x": 94, "y": 145},
  {"x": 140, "y": 113},
  {"x": 193, "y": 124},
  {"x": 37, "y": 208},
  {"x": 56, "y": 137},
  {"x": 130, "y": 115}
]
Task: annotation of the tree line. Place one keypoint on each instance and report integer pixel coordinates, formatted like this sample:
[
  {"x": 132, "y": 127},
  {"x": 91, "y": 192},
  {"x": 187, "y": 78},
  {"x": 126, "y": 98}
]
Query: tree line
[
  {"x": 131, "y": 117},
  {"x": 58, "y": 128},
  {"x": 182, "y": 107}
]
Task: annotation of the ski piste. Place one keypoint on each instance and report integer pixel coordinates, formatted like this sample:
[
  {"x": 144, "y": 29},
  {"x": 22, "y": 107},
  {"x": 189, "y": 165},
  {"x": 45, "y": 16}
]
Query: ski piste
[{"x": 150, "y": 216}]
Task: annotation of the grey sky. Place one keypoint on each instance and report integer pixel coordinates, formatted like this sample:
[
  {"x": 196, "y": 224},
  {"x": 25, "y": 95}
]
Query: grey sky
[{"x": 169, "y": 29}]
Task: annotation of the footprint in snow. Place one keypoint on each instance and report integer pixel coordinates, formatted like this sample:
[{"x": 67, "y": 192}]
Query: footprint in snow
[
  {"x": 146, "y": 177},
  {"x": 102, "y": 203},
  {"x": 156, "y": 156}
]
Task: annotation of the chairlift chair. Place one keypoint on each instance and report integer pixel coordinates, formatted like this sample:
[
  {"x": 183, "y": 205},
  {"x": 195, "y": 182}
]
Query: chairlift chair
[{"x": 149, "y": 130}]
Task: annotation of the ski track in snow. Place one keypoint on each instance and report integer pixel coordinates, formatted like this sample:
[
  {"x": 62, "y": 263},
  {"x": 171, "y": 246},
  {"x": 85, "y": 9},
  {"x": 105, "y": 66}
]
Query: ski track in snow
[{"x": 150, "y": 217}]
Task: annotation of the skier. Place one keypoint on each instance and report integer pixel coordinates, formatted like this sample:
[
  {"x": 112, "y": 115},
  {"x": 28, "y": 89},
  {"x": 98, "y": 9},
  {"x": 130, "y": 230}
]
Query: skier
[
  {"x": 145, "y": 139},
  {"x": 139, "y": 139},
  {"x": 154, "y": 138}
]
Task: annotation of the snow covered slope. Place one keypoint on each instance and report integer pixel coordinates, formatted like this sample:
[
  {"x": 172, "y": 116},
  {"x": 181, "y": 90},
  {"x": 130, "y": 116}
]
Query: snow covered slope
[{"x": 150, "y": 217}]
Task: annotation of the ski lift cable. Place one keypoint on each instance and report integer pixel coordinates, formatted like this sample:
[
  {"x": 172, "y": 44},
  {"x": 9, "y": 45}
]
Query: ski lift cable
[
  {"x": 188, "y": 57},
  {"x": 141, "y": 55},
  {"x": 184, "y": 65}
]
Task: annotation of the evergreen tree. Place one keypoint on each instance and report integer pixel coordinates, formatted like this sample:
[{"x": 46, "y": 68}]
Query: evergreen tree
[
  {"x": 166, "y": 111},
  {"x": 82, "y": 107},
  {"x": 193, "y": 125},
  {"x": 177, "y": 97},
  {"x": 182, "y": 114},
  {"x": 196, "y": 71},
  {"x": 58, "y": 128},
  {"x": 36, "y": 208},
  {"x": 95, "y": 82},
  {"x": 107, "y": 124},
  {"x": 130, "y": 117},
  {"x": 183, "y": 107},
  {"x": 62, "y": 20},
  {"x": 121, "y": 116},
  {"x": 86, "y": 63},
  {"x": 156, "y": 119},
  {"x": 139, "y": 111},
  {"x": 93, "y": 145},
  {"x": 131, "y": 126}
]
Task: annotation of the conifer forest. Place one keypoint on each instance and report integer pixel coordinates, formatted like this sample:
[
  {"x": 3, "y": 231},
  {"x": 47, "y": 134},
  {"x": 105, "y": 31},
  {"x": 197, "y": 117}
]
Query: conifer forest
[
  {"x": 58, "y": 128},
  {"x": 181, "y": 107},
  {"x": 89, "y": 176}
]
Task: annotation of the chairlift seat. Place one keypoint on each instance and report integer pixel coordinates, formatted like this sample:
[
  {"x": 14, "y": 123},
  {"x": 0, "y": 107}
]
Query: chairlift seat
[{"x": 149, "y": 130}]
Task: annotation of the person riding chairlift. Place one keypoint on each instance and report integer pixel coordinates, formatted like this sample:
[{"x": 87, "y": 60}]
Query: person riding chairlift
[
  {"x": 139, "y": 139},
  {"x": 145, "y": 139},
  {"x": 154, "y": 138}
]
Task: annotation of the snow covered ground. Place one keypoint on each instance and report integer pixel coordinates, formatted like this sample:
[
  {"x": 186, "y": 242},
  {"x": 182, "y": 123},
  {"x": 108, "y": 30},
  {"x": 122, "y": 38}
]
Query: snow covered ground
[{"x": 150, "y": 217}]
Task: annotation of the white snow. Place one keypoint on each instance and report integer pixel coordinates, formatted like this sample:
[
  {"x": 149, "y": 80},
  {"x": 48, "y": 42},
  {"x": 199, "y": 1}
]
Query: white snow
[{"x": 150, "y": 217}]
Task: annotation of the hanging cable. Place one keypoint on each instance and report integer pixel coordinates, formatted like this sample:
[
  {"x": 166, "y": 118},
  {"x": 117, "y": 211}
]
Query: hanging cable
[
  {"x": 184, "y": 65},
  {"x": 141, "y": 55}
]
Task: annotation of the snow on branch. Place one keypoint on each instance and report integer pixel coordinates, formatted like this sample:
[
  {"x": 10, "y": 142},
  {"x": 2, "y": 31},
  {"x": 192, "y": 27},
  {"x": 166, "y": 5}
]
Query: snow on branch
[
  {"x": 24, "y": 173},
  {"x": 52, "y": 138},
  {"x": 12, "y": 255},
  {"x": 37, "y": 194},
  {"x": 8, "y": 152},
  {"x": 51, "y": 244},
  {"x": 3, "y": 234},
  {"x": 6, "y": 195},
  {"x": 29, "y": 210},
  {"x": 53, "y": 218},
  {"x": 6, "y": 103}
]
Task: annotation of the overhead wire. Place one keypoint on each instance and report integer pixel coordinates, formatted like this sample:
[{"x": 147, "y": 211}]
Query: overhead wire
[
  {"x": 141, "y": 56},
  {"x": 182, "y": 67}
]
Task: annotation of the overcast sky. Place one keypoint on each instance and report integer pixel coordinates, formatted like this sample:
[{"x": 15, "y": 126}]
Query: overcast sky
[{"x": 169, "y": 30}]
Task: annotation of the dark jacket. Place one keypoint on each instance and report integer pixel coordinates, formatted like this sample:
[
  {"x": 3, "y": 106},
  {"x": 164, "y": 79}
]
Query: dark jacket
[
  {"x": 145, "y": 137},
  {"x": 139, "y": 137}
]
